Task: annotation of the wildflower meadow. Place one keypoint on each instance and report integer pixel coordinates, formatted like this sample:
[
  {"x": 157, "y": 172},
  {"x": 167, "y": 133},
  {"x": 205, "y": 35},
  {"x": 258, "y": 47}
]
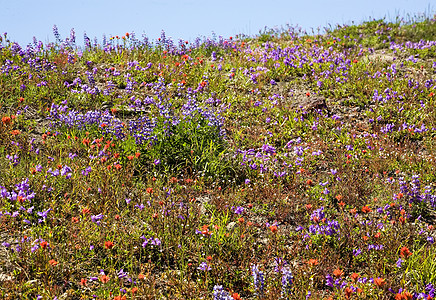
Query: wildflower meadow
[{"x": 284, "y": 165}]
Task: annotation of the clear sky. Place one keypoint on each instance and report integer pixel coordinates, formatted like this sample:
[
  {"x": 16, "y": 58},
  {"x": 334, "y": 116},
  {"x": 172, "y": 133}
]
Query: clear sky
[{"x": 188, "y": 19}]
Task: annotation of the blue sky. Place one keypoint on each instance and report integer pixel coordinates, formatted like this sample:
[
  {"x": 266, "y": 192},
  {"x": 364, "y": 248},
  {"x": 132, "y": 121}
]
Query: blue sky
[{"x": 188, "y": 19}]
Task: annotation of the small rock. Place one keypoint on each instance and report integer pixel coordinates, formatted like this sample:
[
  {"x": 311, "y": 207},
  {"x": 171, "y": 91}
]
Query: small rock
[{"x": 312, "y": 103}]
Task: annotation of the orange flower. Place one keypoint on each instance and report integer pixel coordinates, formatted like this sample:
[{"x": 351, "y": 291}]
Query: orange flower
[
  {"x": 366, "y": 209},
  {"x": 83, "y": 282},
  {"x": 108, "y": 245},
  {"x": 141, "y": 276},
  {"x": 149, "y": 190},
  {"x": 241, "y": 220},
  {"x": 130, "y": 157},
  {"x": 353, "y": 211},
  {"x": 273, "y": 228},
  {"x": 338, "y": 272},
  {"x": 379, "y": 282},
  {"x": 52, "y": 262},
  {"x": 309, "y": 182},
  {"x": 15, "y": 132},
  {"x": 339, "y": 197},
  {"x": 43, "y": 244},
  {"x": 134, "y": 290},
  {"x": 405, "y": 252},
  {"x": 407, "y": 295},
  {"x": 6, "y": 120},
  {"x": 312, "y": 262},
  {"x": 236, "y": 296},
  {"x": 348, "y": 292},
  {"x": 104, "y": 278},
  {"x": 354, "y": 276},
  {"x": 120, "y": 297}
]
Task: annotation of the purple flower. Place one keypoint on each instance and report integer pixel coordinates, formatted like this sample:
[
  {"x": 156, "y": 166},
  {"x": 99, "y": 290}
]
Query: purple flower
[
  {"x": 220, "y": 294},
  {"x": 86, "y": 171},
  {"x": 238, "y": 210},
  {"x": 287, "y": 281},
  {"x": 258, "y": 278},
  {"x": 96, "y": 218},
  {"x": 204, "y": 267},
  {"x": 399, "y": 262},
  {"x": 121, "y": 274},
  {"x": 356, "y": 252}
]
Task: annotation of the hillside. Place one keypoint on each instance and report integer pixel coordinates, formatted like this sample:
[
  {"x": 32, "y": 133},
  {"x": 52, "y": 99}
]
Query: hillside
[{"x": 286, "y": 165}]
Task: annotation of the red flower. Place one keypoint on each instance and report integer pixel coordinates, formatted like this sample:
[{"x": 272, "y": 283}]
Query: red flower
[
  {"x": 366, "y": 209},
  {"x": 108, "y": 245},
  {"x": 236, "y": 296},
  {"x": 104, "y": 278},
  {"x": 273, "y": 228},
  {"x": 83, "y": 282},
  {"x": 43, "y": 245},
  {"x": 338, "y": 272},
  {"x": 312, "y": 262},
  {"x": 6, "y": 120},
  {"x": 149, "y": 190},
  {"x": 355, "y": 276},
  {"x": 405, "y": 252},
  {"x": 379, "y": 282},
  {"x": 52, "y": 262}
]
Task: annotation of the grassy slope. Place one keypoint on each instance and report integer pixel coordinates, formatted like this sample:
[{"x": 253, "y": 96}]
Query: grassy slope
[{"x": 212, "y": 153}]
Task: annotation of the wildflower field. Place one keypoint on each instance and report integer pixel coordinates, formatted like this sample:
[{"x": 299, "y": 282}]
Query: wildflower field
[{"x": 286, "y": 165}]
